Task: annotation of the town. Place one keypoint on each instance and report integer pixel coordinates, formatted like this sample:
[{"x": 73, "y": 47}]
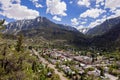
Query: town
[{"x": 78, "y": 66}]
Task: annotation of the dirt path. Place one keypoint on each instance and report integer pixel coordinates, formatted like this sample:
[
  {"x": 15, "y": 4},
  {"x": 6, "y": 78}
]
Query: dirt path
[{"x": 49, "y": 65}]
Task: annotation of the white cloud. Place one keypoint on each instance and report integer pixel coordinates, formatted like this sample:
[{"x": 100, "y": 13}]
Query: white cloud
[
  {"x": 84, "y": 3},
  {"x": 56, "y": 7},
  {"x": 97, "y": 5},
  {"x": 97, "y": 22},
  {"x": 16, "y": 10},
  {"x": 102, "y": 3},
  {"x": 57, "y": 18},
  {"x": 74, "y": 21},
  {"x": 98, "y": 14},
  {"x": 38, "y": 5},
  {"x": 83, "y": 22},
  {"x": 93, "y": 13},
  {"x": 99, "y": 1},
  {"x": 116, "y": 14},
  {"x": 35, "y": 2},
  {"x": 71, "y": 2},
  {"x": 112, "y": 4},
  {"x": 80, "y": 27}
]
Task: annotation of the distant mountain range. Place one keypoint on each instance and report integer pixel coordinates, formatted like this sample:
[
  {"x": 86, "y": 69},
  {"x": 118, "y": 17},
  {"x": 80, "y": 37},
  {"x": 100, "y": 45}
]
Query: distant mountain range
[
  {"x": 105, "y": 35},
  {"x": 37, "y": 23},
  {"x": 104, "y": 27},
  {"x": 43, "y": 27}
]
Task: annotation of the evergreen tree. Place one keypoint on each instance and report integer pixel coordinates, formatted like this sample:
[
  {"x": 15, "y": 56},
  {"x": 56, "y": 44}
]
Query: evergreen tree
[
  {"x": 82, "y": 76},
  {"x": 1, "y": 24},
  {"x": 102, "y": 72},
  {"x": 119, "y": 77},
  {"x": 19, "y": 43}
]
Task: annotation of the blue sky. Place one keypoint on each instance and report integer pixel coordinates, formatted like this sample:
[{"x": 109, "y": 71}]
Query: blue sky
[{"x": 77, "y": 13}]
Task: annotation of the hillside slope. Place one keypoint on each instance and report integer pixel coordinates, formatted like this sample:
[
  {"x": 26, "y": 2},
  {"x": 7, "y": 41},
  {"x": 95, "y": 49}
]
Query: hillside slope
[
  {"x": 109, "y": 40},
  {"x": 104, "y": 27}
]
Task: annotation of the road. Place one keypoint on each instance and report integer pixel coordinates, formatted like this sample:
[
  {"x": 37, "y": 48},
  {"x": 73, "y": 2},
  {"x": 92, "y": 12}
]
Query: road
[
  {"x": 50, "y": 65},
  {"x": 111, "y": 77}
]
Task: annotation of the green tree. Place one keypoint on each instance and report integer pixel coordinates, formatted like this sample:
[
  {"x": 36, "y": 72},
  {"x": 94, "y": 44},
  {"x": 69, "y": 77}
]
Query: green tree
[
  {"x": 55, "y": 77},
  {"x": 19, "y": 43},
  {"x": 102, "y": 72},
  {"x": 34, "y": 66},
  {"x": 1, "y": 25},
  {"x": 82, "y": 77},
  {"x": 4, "y": 55}
]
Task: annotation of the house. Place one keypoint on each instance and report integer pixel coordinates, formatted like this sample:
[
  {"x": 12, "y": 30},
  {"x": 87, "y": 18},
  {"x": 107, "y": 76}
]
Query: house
[
  {"x": 81, "y": 72},
  {"x": 106, "y": 69},
  {"x": 49, "y": 74},
  {"x": 83, "y": 59},
  {"x": 82, "y": 65},
  {"x": 95, "y": 73},
  {"x": 118, "y": 63},
  {"x": 66, "y": 69}
]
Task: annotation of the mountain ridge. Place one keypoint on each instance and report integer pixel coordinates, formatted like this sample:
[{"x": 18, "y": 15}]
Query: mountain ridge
[
  {"x": 104, "y": 27},
  {"x": 43, "y": 27},
  {"x": 39, "y": 22},
  {"x": 109, "y": 40}
]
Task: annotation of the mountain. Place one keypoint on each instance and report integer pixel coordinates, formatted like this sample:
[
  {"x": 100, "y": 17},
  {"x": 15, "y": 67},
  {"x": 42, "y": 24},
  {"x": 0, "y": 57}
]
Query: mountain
[
  {"x": 41, "y": 27},
  {"x": 104, "y": 27},
  {"x": 109, "y": 40},
  {"x": 37, "y": 23}
]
